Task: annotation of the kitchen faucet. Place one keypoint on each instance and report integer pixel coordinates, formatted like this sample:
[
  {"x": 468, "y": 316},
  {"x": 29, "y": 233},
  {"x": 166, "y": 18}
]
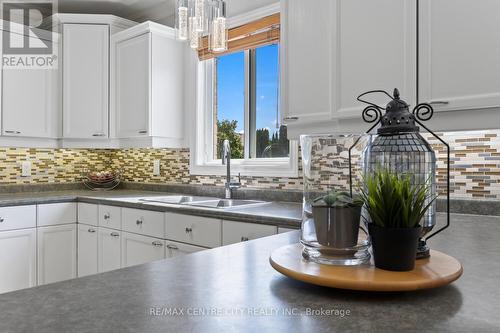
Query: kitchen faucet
[{"x": 226, "y": 160}]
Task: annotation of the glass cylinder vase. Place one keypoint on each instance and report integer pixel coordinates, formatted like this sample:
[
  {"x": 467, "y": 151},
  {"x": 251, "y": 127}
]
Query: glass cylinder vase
[{"x": 331, "y": 234}]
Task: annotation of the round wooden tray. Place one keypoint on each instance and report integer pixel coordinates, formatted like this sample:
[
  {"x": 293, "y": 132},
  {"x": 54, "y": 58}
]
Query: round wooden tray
[{"x": 438, "y": 270}]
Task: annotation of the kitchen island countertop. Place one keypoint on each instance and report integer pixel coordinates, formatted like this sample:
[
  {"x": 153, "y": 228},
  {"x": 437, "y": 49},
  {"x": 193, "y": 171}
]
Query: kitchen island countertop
[{"x": 234, "y": 289}]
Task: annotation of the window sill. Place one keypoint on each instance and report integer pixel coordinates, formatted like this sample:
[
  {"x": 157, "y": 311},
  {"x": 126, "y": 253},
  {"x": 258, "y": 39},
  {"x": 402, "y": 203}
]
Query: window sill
[{"x": 276, "y": 167}]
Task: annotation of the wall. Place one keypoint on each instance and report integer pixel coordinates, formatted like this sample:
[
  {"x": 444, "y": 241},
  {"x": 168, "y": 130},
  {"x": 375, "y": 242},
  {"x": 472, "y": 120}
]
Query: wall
[{"x": 475, "y": 166}]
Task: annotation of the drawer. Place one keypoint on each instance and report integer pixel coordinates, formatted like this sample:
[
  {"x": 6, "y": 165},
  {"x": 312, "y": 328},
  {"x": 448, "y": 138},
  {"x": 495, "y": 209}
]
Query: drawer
[
  {"x": 57, "y": 213},
  {"x": 17, "y": 217},
  {"x": 235, "y": 232},
  {"x": 88, "y": 213},
  {"x": 195, "y": 230},
  {"x": 175, "y": 249},
  {"x": 110, "y": 217},
  {"x": 144, "y": 222}
]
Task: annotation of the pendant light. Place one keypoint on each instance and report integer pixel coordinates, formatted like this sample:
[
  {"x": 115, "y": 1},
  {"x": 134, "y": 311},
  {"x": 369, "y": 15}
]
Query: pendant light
[{"x": 195, "y": 19}]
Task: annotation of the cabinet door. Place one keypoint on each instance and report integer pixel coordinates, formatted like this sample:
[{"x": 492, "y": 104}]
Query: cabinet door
[
  {"x": 56, "y": 253},
  {"x": 85, "y": 80},
  {"x": 17, "y": 259},
  {"x": 132, "y": 86},
  {"x": 87, "y": 250},
  {"x": 108, "y": 249},
  {"x": 306, "y": 60},
  {"x": 458, "y": 54},
  {"x": 35, "y": 116},
  {"x": 175, "y": 249},
  {"x": 335, "y": 50},
  {"x": 137, "y": 249},
  {"x": 234, "y": 232}
]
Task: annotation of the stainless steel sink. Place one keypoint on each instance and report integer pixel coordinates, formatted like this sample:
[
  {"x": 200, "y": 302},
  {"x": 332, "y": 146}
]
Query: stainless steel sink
[
  {"x": 175, "y": 199},
  {"x": 225, "y": 203}
]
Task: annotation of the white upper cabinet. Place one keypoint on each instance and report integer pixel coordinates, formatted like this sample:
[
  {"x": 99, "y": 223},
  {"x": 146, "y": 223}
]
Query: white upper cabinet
[
  {"x": 335, "y": 50},
  {"x": 85, "y": 80},
  {"x": 30, "y": 103},
  {"x": 459, "y": 52},
  {"x": 147, "y": 74}
]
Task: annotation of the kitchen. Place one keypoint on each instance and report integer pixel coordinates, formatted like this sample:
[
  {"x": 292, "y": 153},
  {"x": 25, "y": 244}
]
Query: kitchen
[{"x": 176, "y": 165}]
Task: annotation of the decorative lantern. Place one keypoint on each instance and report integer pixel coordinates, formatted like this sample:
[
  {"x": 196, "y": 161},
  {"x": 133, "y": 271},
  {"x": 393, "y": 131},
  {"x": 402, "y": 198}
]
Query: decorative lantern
[{"x": 399, "y": 147}]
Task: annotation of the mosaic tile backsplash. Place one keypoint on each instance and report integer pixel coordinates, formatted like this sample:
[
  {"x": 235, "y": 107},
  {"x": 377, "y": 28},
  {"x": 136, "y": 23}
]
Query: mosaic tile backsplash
[{"x": 475, "y": 166}]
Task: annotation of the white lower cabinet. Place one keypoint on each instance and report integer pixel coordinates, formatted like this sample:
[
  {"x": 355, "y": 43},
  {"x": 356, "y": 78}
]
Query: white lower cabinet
[
  {"x": 138, "y": 249},
  {"x": 108, "y": 249},
  {"x": 235, "y": 232},
  {"x": 56, "y": 253},
  {"x": 17, "y": 259},
  {"x": 87, "y": 250},
  {"x": 175, "y": 249}
]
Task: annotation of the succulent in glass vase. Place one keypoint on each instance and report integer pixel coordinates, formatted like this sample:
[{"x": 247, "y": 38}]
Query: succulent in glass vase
[{"x": 336, "y": 219}]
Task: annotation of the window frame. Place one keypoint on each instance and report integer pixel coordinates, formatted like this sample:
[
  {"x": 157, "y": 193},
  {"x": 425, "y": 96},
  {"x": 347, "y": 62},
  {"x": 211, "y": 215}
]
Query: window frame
[{"x": 202, "y": 161}]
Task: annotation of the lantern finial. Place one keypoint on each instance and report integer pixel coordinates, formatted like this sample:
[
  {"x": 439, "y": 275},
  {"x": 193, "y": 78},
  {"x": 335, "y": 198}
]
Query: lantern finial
[{"x": 396, "y": 93}]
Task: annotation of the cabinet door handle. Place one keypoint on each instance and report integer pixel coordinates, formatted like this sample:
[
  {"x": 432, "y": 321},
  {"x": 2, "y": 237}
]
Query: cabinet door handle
[
  {"x": 439, "y": 102},
  {"x": 291, "y": 118},
  {"x": 157, "y": 244},
  {"x": 115, "y": 234},
  {"x": 172, "y": 247},
  {"x": 244, "y": 239},
  {"x": 188, "y": 230},
  {"x": 139, "y": 221},
  {"x": 1, "y": 219},
  {"x": 107, "y": 216},
  {"x": 91, "y": 230},
  {"x": 13, "y": 132},
  {"x": 98, "y": 134},
  {"x": 143, "y": 132}
]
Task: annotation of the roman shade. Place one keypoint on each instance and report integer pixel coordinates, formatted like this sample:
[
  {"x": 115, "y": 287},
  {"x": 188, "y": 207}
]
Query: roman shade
[{"x": 264, "y": 31}]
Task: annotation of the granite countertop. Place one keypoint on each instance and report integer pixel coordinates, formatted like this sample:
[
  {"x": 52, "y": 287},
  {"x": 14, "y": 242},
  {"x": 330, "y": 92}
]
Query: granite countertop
[
  {"x": 234, "y": 289},
  {"x": 288, "y": 214}
]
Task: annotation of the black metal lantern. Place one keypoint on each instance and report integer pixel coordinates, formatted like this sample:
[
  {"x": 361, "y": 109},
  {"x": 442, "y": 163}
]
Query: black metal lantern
[{"x": 399, "y": 147}]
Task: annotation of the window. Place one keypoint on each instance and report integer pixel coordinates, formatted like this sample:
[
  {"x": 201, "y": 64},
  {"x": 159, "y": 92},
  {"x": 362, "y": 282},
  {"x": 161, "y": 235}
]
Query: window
[
  {"x": 246, "y": 104},
  {"x": 238, "y": 100}
]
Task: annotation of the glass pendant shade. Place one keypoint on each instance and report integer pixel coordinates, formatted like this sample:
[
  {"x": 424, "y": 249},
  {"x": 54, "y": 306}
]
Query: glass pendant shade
[
  {"x": 181, "y": 19},
  {"x": 194, "y": 35},
  {"x": 217, "y": 30},
  {"x": 199, "y": 15}
]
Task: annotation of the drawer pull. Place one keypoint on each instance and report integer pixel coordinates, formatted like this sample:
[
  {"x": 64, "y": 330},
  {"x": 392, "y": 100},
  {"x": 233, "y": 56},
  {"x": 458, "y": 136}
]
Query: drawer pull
[
  {"x": 291, "y": 118},
  {"x": 1, "y": 219},
  {"x": 99, "y": 134},
  {"x": 138, "y": 222},
  {"x": 157, "y": 244},
  {"x": 188, "y": 230},
  {"x": 13, "y": 132},
  {"x": 115, "y": 234},
  {"x": 91, "y": 230},
  {"x": 107, "y": 216},
  {"x": 172, "y": 247},
  {"x": 143, "y": 132},
  {"x": 244, "y": 239}
]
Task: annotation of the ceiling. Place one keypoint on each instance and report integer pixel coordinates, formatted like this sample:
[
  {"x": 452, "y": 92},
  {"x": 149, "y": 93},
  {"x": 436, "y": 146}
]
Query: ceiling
[{"x": 160, "y": 11}]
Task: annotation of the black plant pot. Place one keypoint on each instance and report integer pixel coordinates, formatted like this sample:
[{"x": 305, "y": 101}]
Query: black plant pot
[{"x": 394, "y": 249}]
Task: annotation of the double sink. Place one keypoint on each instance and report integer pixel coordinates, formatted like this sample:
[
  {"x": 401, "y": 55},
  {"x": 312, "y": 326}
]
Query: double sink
[{"x": 206, "y": 202}]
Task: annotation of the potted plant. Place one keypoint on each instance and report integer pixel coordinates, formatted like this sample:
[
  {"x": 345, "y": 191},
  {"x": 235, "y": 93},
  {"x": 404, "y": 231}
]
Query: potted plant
[
  {"x": 336, "y": 219},
  {"x": 395, "y": 207}
]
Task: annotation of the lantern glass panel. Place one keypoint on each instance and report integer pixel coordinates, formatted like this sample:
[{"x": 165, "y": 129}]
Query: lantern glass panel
[{"x": 405, "y": 154}]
